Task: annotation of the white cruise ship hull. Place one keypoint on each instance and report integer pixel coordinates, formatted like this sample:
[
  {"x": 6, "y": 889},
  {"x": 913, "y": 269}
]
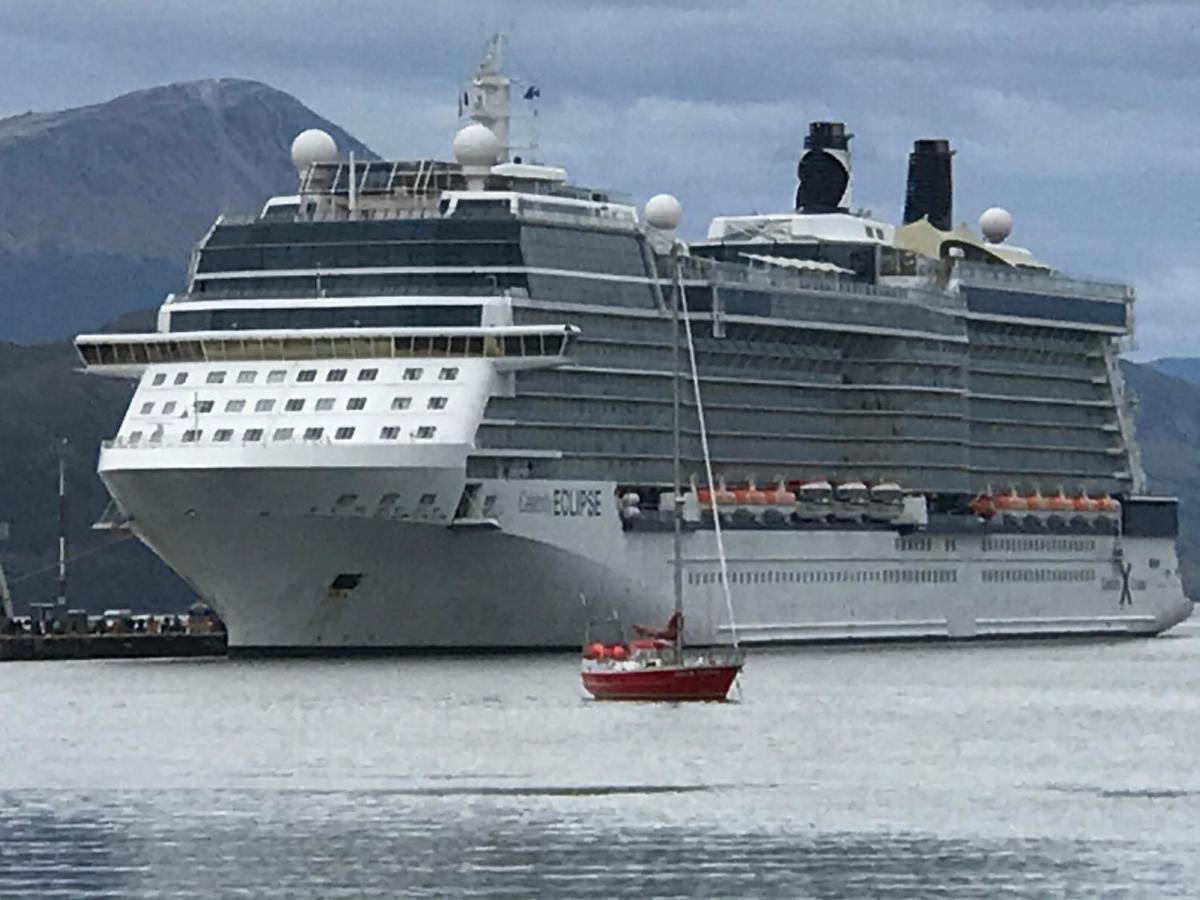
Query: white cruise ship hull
[{"x": 251, "y": 542}]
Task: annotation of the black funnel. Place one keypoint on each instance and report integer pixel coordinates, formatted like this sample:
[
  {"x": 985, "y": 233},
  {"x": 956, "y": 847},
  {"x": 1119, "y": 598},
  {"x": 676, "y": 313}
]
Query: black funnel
[
  {"x": 930, "y": 189},
  {"x": 824, "y": 169}
]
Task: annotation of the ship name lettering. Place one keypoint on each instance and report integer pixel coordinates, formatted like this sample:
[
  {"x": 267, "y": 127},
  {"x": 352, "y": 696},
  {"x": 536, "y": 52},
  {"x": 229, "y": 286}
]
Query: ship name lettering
[
  {"x": 534, "y": 503},
  {"x": 577, "y": 503}
]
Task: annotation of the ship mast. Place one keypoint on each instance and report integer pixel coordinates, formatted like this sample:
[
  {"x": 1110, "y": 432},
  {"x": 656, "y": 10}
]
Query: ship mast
[
  {"x": 677, "y": 491},
  {"x": 489, "y": 105},
  {"x": 662, "y": 215}
]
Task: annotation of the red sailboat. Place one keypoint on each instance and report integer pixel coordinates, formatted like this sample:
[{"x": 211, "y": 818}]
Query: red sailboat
[{"x": 656, "y": 665}]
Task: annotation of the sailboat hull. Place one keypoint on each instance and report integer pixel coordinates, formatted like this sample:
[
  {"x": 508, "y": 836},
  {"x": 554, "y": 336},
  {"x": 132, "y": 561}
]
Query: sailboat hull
[{"x": 662, "y": 683}]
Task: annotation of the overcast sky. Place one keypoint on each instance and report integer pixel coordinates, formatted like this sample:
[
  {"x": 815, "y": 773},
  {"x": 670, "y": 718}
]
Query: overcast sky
[{"x": 1082, "y": 118}]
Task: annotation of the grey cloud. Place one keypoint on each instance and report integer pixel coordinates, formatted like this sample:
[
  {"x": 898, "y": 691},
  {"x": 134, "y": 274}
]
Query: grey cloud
[{"x": 1079, "y": 116}]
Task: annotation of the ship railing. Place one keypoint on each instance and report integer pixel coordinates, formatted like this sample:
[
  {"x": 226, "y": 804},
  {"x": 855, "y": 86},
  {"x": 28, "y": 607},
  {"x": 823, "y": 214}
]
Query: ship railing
[
  {"x": 734, "y": 274},
  {"x": 511, "y": 346},
  {"x": 1041, "y": 282}
]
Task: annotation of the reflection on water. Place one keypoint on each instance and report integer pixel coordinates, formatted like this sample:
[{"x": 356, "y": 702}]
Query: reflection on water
[
  {"x": 1012, "y": 771},
  {"x": 294, "y": 844}
]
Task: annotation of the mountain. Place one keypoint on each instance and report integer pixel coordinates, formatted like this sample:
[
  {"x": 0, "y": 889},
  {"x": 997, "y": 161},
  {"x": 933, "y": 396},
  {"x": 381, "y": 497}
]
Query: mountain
[
  {"x": 1185, "y": 367},
  {"x": 1167, "y": 418},
  {"x": 100, "y": 206},
  {"x": 43, "y": 399}
]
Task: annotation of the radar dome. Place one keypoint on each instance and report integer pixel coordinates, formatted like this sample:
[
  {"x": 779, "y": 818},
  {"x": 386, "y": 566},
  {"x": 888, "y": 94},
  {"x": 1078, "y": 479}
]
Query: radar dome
[
  {"x": 476, "y": 145},
  {"x": 663, "y": 212},
  {"x": 313, "y": 146},
  {"x": 996, "y": 224}
]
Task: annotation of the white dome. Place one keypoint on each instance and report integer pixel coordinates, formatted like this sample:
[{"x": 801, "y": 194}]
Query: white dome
[
  {"x": 663, "y": 212},
  {"x": 476, "y": 146},
  {"x": 996, "y": 224},
  {"x": 313, "y": 146}
]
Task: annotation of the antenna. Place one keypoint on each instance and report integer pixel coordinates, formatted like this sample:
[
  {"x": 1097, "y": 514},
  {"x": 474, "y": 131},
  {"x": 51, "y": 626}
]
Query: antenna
[
  {"x": 492, "y": 88},
  {"x": 62, "y": 528}
]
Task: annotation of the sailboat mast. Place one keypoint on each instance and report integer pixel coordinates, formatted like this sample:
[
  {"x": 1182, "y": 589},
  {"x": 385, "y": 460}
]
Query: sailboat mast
[{"x": 677, "y": 512}]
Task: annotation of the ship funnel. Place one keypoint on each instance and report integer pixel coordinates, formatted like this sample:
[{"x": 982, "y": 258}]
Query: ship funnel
[
  {"x": 930, "y": 189},
  {"x": 824, "y": 169}
]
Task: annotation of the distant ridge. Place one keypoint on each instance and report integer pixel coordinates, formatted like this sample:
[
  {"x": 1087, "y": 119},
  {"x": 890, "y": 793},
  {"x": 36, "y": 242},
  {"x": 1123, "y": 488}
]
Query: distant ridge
[
  {"x": 1185, "y": 367},
  {"x": 101, "y": 205}
]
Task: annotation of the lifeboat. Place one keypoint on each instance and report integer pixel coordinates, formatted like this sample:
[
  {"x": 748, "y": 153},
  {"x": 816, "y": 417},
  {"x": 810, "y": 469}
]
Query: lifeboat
[
  {"x": 850, "y": 501},
  {"x": 1108, "y": 516},
  {"x": 781, "y": 502},
  {"x": 726, "y": 500},
  {"x": 885, "y": 502},
  {"x": 1061, "y": 504},
  {"x": 1011, "y": 503},
  {"x": 1085, "y": 504},
  {"x": 1061, "y": 508},
  {"x": 749, "y": 502},
  {"x": 814, "y": 502},
  {"x": 750, "y": 496},
  {"x": 984, "y": 504},
  {"x": 1036, "y": 504}
]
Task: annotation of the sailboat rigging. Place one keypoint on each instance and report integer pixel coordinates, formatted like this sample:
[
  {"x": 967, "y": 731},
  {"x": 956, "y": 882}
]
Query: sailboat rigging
[{"x": 655, "y": 665}]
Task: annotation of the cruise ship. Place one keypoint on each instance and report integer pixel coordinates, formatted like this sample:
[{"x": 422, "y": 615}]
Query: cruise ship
[{"x": 427, "y": 405}]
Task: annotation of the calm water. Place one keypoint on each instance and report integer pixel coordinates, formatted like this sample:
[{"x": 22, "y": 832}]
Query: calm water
[{"x": 979, "y": 771}]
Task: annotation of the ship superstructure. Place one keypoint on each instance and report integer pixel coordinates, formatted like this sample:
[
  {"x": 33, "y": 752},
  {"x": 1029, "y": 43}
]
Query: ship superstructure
[{"x": 428, "y": 404}]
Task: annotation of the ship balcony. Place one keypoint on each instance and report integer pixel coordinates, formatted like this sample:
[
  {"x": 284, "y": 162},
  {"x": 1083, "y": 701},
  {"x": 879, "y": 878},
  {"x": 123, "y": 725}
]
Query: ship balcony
[{"x": 510, "y": 347}]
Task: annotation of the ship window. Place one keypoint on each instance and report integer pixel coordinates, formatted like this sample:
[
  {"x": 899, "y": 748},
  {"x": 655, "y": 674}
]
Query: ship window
[
  {"x": 294, "y": 405},
  {"x": 346, "y": 581},
  {"x": 367, "y": 374},
  {"x": 344, "y": 433},
  {"x": 204, "y": 406},
  {"x": 235, "y": 406},
  {"x": 389, "y": 433},
  {"x": 313, "y": 434},
  {"x": 276, "y": 376},
  {"x": 356, "y": 403},
  {"x": 427, "y": 500},
  {"x": 147, "y": 408},
  {"x": 160, "y": 378},
  {"x": 413, "y": 374},
  {"x": 448, "y": 374},
  {"x": 215, "y": 378},
  {"x": 425, "y": 432},
  {"x": 306, "y": 375},
  {"x": 437, "y": 403},
  {"x": 401, "y": 402},
  {"x": 325, "y": 404},
  {"x": 168, "y": 407},
  {"x": 222, "y": 434},
  {"x": 134, "y": 437},
  {"x": 156, "y": 436},
  {"x": 336, "y": 375},
  {"x": 192, "y": 435},
  {"x": 181, "y": 378},
  {"x": 282, "y": 434},
  {"x": 264, "y": 405},
  {"x": 247, "y": 376},
  {"x": 252, "y": 434}
]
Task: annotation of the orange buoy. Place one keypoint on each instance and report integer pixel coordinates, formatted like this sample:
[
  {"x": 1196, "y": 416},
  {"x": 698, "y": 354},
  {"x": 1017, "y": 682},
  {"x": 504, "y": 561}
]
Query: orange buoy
[
  {"x": 593, "y": 650},
  {"x": 618, "y": 652}
]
